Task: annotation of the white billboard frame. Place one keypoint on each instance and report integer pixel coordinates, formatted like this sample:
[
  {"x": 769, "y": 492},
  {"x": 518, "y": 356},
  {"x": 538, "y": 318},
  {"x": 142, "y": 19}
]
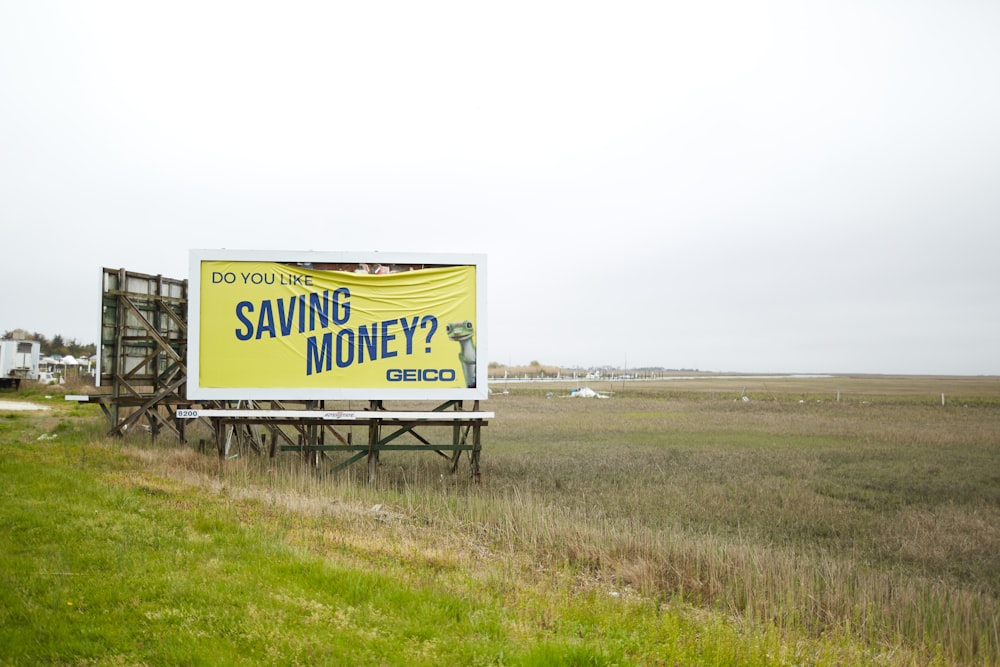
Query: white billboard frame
[{"x": 197, "y": 392}]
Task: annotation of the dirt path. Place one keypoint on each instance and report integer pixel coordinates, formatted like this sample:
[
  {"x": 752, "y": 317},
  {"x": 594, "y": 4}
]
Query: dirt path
[{"x": 20, "y": 405}]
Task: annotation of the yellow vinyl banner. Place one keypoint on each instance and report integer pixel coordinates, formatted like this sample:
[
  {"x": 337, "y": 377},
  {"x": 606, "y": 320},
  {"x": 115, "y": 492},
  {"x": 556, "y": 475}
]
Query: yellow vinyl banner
[{"x": 282, "y": 325}]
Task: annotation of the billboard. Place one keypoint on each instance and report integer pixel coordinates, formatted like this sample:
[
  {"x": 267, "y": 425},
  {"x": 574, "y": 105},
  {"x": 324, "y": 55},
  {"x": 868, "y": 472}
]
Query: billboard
[{"x": 335, "y": 325}]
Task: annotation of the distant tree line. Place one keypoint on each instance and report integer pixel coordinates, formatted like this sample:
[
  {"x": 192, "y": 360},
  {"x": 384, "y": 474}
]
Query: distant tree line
[{"x": 55, "y": 345}]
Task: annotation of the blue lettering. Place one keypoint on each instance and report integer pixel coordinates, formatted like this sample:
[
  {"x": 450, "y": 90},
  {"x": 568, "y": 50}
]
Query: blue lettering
[
  {"x": 420, "y": 375},
  {"x": 387, "y": 338},
  {"x": 266, "y": 320},
  {"x": 319, "y": 304},
  {"x": 408, "y": 329},
  {"x": 248, "y": 332},
  {"x": 339, "y": 307},
  {"x": 318, "y": 357},
  {"x": 345, "y": 345},
  {"x": 367, "y": 340},
  {"x": 286, "y": 324}
]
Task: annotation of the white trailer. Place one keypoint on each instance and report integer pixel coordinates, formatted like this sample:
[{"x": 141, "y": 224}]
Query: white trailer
[{"x": 18, "y": 361}]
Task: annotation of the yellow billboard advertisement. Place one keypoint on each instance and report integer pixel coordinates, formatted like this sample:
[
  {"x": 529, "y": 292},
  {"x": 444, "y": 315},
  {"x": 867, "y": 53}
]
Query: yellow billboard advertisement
[{"x": 335, "y": 325}]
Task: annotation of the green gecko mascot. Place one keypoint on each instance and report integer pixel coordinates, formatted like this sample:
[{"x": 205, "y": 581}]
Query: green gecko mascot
[{"x": 461, "y": 333}]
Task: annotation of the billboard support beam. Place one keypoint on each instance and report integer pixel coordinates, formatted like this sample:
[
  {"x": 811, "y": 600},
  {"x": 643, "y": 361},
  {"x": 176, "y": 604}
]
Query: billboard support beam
[
  {"x": 374, "y": 431},
  {"x": 384, "y": 428}
]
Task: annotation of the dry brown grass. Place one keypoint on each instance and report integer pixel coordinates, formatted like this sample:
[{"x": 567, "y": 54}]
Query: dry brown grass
[{"x": 876, "y": 515}]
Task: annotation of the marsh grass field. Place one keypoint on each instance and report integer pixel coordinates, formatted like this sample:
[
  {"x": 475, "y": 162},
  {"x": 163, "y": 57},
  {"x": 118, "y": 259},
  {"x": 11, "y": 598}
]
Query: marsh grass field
[{"x": 758, "y": 521}]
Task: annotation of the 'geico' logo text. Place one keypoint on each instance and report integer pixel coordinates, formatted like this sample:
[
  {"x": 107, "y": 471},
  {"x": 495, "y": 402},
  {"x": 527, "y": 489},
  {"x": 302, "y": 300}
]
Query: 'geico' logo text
[{"x": 420, "y": 375}]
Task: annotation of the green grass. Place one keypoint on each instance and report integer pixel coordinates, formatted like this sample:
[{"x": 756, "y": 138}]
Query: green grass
[
  {"x": 653, "y": 528},
  {"x": 107, "y": 564}
]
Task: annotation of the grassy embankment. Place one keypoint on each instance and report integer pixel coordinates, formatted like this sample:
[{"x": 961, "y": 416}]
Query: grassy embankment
[{"x": 671, "y": 524}]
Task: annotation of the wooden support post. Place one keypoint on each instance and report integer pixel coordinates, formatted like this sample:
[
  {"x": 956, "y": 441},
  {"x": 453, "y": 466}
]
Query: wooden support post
[
  {"x": 179, "y": 425},
  {"x": 220, "y": 437},
  {"x": 374, "y": 434},
  {"x": 476, "y": 444},
  {"x": 474, "y": 454},
  {"x": 373, "y": 437}
]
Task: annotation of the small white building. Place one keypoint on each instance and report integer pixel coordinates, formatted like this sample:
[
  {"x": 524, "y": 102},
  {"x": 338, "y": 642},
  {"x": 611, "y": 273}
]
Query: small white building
[{"x": 19, "y": 360}]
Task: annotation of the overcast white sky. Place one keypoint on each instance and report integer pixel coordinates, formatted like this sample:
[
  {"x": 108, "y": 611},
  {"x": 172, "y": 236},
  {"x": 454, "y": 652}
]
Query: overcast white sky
[{"x": 737, "y": 186}]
